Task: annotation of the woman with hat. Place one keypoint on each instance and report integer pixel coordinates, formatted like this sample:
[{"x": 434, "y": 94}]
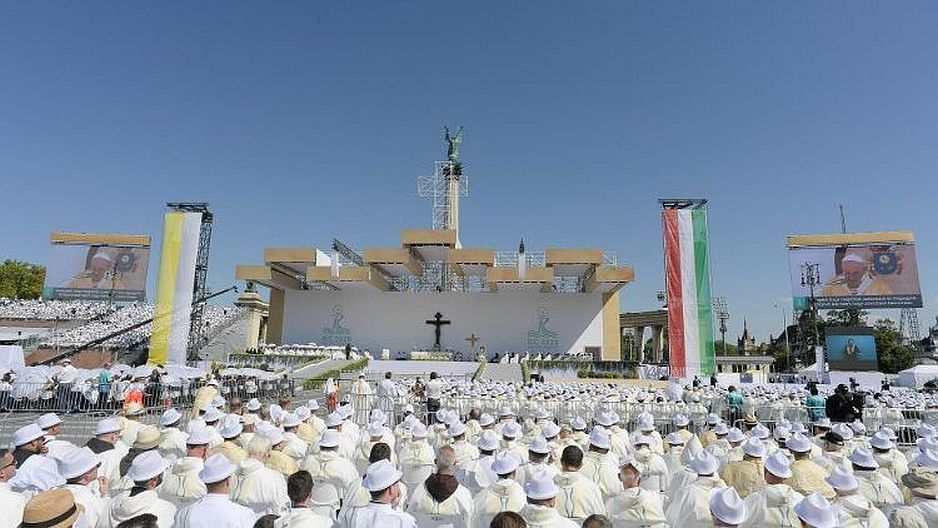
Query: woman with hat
[{"x": 51, "y": 509}]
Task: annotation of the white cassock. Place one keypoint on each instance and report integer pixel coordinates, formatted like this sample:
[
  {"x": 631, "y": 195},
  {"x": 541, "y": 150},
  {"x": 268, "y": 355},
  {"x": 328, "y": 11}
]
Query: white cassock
[
  {"x": 504, "y": 495},
  {"x": 634, "y": 508},
  {"x": 56, "y": 448},
  {"x": 527, "y": 471},
  {"x": 692, "y": 506},
  {"x": 95, "y": 506},
  {"x": 260, "y": 488},
  {"x": 172, "y": 444},
  {"x": 306, "y": 518},
  {"x": 772, "y": 507},
  {"x": 476, "y": 476},
  {"x": 294, "y": 447},
  {"x": 604, "y": 471},
  {"x": 376, "y": 515},
  {"x": 465, "y": 452},
  {"x": 654, "y": 470},
  {"x": 545, "y": 517},
  {"x": 110, "y": 461},
  {"x": 11, "y": 504},
  {"x": 579, "y": 497},
  {"x": 329, "y": 467},
  {"x": 181, "y": 485},
  {"x": 856, "y": 510},
  {"x": 215, "y": 511},
  {"x": 417, "y": 463},
  {"x": 124, "y": 507},
  {"x": 877, "y": 488},
  {"x": 455, "y": 509}
]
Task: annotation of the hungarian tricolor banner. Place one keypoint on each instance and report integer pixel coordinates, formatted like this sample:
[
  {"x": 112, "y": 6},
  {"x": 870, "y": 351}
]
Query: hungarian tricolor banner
[{"x": 687, "y": 273}]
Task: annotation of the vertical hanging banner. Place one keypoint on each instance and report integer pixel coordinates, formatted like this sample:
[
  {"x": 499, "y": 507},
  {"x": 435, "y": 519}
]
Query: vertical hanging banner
[
  {"x": 174, "y": 288},
  {"x": 687, "y": 275}
]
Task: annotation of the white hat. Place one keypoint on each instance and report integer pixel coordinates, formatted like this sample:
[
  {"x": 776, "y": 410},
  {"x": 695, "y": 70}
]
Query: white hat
[
  {"x": 212, "y": 415},
  {"x": 681, "y": 421},
  {"x": 27, "y": 434},
  {"x": 541, "y": 487},
  {"x": 862, "y": 457},
  {"x": 759, "y": 431},
  {"x": 578, "y": 424},
  {"x": 169, "y": 417},
  {"x": 456, "y": 429},
  {"x": 48, "y": 420},
  {"x": 881, "y": 440},
  {"x": 842, "y": 479},
  {"x": 302, "y": 412},
  {"x": 816, "y": 511},
  {"x": 291, "y": 420},
  {"x": 199, "y": 436},
  {"x": 377, "y": 415},
  {"x": 101, "y": 255},
  {"x": 781, "y": 433},
  {"x": 778, "y": 464},
  {"x": 798, "y": 443},
  {"x": 77, "y": 462},
  {"x": 216, "y": 469},
  {"x": 409, "y": 409},
  {"x": 675, "y": 439},
  {"x": 312, "y": 405},
  {"x": 628, "y": 461},
  {"x": 486, "y": 420},
  {"x": 541, "y": 414},
  {"x": 824, "y": 423},
  {"x": 381, "y": 475},
  {"x": 641, "y": 440},
  {"x": 255, "y": 405},
  {"x": 604, "y": 418},
  {"x": 550, "y": 430},
  {"x": 858, "y": 427},
  {"x": 713, "y": 419},
  {"x": 511, "y": 430},
  {"x": 539, "y": 446},
  {"x": 334, "y": 419},
  {"x": 505, "y": 463},
  {"x": 928, "y": 458},
  {"x": 727, "y": 506},
  {"x": 735, "y": 436},
  {"x": 928, "y": 442},
  {"x": 646, "y": 423},
  {"x": 195, "y": 423},
  {"x": 418, "y": 430},
  {"x": 505, "y": 412},
  {"x": 599, "y": 438},
  {"x": 346, "y": 411},
  {"x": 218, "y": 401},
  {"x": 754, "y": 447},
  {"x": 705, "y": 464},
  {"x": 488, "y": 441},
  {"x": 843, "y": 430},
  {"x": 271, "y": 433},
  {"x": 925, "y": 430},
  {"x": 889, "y": 433},
  {"x": 375, "y": 429},
  {"x": 107, "y": 425},
  {"x": 721, "y": 429},
  {"x": 329, "y": 438},
  {"x": 231, "y": 427},
  {"x": 146, "y": 465}
]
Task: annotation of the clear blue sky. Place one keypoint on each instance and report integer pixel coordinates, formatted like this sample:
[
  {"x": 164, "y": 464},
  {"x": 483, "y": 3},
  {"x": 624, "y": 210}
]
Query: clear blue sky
[{"x": 300, "y": 121}]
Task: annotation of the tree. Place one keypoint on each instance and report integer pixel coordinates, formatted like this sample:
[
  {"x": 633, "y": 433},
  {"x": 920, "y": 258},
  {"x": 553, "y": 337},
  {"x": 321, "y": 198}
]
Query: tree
[
  {"x": 893, "y": 355},
  {"x": 21, "y": 280},
  {"x": 724, "y": 349},
  {"x": 849, "y": 317}
]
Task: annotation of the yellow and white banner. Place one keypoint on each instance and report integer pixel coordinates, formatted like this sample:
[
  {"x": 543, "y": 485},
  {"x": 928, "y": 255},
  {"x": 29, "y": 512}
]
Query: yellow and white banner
[{"x": 174, "y": 288}]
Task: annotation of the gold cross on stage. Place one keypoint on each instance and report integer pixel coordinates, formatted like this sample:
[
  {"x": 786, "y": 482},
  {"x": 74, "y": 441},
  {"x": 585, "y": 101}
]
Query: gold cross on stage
[{"x": 472, "y": 339}]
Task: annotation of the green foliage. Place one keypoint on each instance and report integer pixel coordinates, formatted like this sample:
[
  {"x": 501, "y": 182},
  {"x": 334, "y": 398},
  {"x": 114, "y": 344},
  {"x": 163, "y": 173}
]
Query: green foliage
[
  {"x": 594, "y": 374},
  {"x": 318, "y": 380},
  {"x": 724, "y": 349},
  {"x": 21, "y": 280},
  {"x": 893, "y": 355},
  {"x": 851, "y": 317}
]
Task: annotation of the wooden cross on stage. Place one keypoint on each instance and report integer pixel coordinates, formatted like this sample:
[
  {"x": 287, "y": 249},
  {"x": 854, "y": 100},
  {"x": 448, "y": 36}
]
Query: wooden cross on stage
[
  {"x": 437, "y": 322},
  {"x": 472, "y": 339}
]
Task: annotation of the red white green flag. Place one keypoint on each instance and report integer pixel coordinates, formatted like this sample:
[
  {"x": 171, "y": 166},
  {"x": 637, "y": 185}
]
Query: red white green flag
[{"x": 687, "y": 274}]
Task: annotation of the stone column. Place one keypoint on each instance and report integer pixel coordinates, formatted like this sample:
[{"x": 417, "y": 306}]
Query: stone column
[
  {"x": 638, "y": 342},
  {"x": 656, "y": 343},
  {"x": 251, "y": 301}
]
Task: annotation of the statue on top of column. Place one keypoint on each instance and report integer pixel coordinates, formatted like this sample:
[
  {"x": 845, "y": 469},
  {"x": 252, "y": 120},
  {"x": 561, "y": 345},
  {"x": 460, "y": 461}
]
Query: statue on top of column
[{"x": 452, "y": 143}]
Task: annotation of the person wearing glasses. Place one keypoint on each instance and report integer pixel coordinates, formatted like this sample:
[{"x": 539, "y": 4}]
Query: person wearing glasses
[{"x": 11, "y": 502}]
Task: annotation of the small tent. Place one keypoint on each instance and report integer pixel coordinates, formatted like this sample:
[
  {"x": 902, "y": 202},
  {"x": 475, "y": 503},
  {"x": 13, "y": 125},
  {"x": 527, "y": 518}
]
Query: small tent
[{"x": 917, "y": 376}]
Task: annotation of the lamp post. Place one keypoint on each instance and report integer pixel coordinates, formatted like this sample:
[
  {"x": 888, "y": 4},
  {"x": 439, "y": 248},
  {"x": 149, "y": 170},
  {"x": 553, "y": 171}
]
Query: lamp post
[
  {"x": 723, "y": 314},
  {"x": 811, "y": 277}
]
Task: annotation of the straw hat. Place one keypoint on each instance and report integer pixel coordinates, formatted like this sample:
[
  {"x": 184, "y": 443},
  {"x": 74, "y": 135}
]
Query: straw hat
[
  {"x": 148, "y": 437},
  {"x": 922, "y": 480},
  {"x": 52, "y": 509}
]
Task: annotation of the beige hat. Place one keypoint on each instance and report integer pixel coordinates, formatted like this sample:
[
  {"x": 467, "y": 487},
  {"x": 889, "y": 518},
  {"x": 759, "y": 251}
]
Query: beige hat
[
  {"x": 52, "y": 509},
  {"x": 148, "y": 437},
  {"x": 922, "y": 480}
]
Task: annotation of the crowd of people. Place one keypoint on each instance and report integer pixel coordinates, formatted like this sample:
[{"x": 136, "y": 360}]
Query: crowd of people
[
  {"x": 42, "y": 310},
  {"x": 513, "y": 458}
]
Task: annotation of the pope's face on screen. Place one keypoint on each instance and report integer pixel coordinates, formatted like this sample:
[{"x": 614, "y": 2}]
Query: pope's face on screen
[
  {"x": 99, "y": 268},
  {"x": 853, "y": 273}
]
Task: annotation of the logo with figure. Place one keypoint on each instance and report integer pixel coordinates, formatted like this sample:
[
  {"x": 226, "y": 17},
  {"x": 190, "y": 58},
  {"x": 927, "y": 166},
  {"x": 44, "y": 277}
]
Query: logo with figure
[
  {"x": 336, "y": 335},
  {"x": 542, "y": 339}
]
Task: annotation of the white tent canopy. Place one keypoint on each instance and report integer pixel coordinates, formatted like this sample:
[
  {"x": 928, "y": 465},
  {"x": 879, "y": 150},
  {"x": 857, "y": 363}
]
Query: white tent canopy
[{"x": 917, "y": 376}]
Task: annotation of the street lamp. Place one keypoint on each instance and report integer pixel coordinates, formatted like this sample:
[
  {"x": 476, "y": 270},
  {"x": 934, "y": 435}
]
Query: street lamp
[{"x": 723, "y": 314}]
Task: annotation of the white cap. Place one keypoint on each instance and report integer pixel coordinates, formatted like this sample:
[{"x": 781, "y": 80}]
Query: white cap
[
  {"x": 862, "y": 457},
  {"x": 604, "y": 418},
  {"x": 169, "y": 417},
  {"x": 456, "y": 429},
  {"x": 539, "y": 446},
  {"x": 27, "y": 434},
  {"x": 754, "y": 447},
  {"x": 271, "y": 433},
  {"x": 843, "y": 430},
  {"x": 578, "y": 424},
  {"x": 713, "y": 419},
  {"x": 199, "y": 436},
  {"x": 778, "y": 464},
  {"x": 541, "y": 486},
  {"x": 329, "y": 438},
  {"x": 334, "y": 420},
  {"x": 550, "y": 430},
  {"x": 759, "y": 431},
  {"x": 823, "y": 422},
  {"x": 735, "y": 436},
  {"x": 727, "y": 506},
  {"x": 303, "y": 412},
  {"x": 212, "y": 415},
  {"x": 107, "y": 425},
  {"x": 798, "y": 443},
  {"x": 505, "y": 463},
  {"x": 816, "y": 511},
  {"x": 375, "y": 430},
  {"x": 681, "y": 421},
  {"x": 488, "y": 441},
  {"x": 641, "y": 440},
  {"x": 418, "y": 430},
  {"x": 254, "y": 405},
  {"x": 881, "y": 440},
  {"x": 928, "y": 458},
  {"x": 505, "y": 412},
  {"x": 77, "y": 462},
  {"x": 146, "y": 465},
  {"x": 646, "y": 423},
  {"x": 858, "y": 427},
  {"x": 675, "y": 439},
  {"x": 48, "y": 420},
  {"x": 381, "y": 475},
  {"x": 541, "y": 414},
  {"x": 216, "y": 469},
  {"x": 486, "y": 420},
  {"x": 599, "y": 438},
  {"x": 231, "y": 427},
  {"x": 889, "y": 433},
  {"x": 511, "y": 430},
  {"x": 842, "y": 479},
  {"x": 721, "y": 429},
  {"x": 705, "y": 464}
]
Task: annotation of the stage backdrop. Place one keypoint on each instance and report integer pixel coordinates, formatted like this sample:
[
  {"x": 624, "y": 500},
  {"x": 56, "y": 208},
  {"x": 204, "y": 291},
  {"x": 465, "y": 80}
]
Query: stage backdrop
[{"x": 503, "y": 321}]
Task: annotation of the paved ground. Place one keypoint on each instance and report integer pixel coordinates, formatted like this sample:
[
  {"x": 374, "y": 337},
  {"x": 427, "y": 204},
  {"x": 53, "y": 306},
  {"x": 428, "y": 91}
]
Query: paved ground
[
  {"x": 502, "y": 372},
  {"x": 423, "y": 368}
]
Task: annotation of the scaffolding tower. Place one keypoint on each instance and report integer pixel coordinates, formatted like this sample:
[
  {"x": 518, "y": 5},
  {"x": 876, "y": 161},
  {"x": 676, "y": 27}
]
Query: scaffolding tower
[
  {"x": 908, "y": 325},
  {"x": 445, "y": 186},
  {"x": 199, "y": 285}
]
